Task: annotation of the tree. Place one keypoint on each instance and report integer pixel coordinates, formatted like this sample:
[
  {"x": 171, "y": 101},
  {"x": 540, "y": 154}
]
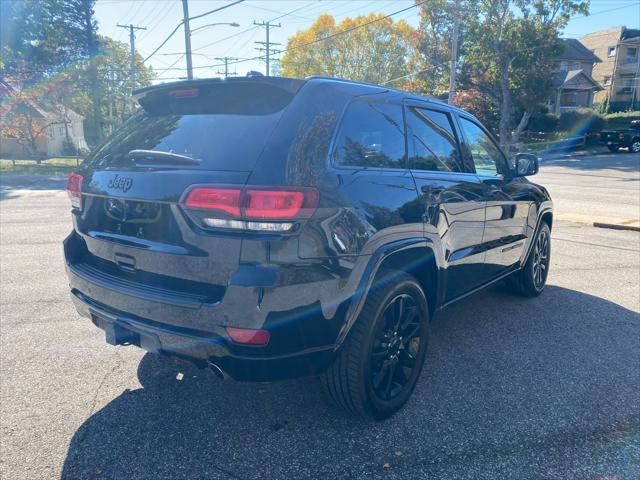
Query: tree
[
  {"x": 53, "y": 45},
  {"x": 23, "y": 119},
  {"x": 433, "y": 43},
  {"x": 376, "y": 52},
  {"x": 510, "y": 51}
]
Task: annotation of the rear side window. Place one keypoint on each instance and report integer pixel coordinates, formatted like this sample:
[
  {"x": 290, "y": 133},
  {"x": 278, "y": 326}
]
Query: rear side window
[
  {"x": 434, "y": 144},
  {"x": 371, "y": 135}
]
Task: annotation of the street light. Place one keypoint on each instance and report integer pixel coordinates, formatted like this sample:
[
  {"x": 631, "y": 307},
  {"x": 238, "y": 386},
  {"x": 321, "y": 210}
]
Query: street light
[{"x": 233, "y": 24}]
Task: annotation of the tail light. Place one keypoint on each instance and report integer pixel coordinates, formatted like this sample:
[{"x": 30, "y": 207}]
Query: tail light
[
  {"x": 74, "y": 189},
  {"x": 258, "y": 208}
]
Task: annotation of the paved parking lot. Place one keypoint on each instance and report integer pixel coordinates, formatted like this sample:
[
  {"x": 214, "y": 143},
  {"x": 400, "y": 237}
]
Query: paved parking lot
[{"x": 547, "y": 388}]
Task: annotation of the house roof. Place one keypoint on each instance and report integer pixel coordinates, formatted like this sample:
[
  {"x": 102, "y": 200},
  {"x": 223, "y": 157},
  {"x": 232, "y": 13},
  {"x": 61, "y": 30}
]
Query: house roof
[
  {"x": 574, "y": 50},
  {"x": 8, "y": 90},
  {"x": 573, "y": 74}
]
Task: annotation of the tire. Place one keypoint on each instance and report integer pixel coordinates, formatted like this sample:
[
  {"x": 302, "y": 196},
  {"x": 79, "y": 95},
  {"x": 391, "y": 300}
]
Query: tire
[
  {"x": 531, "y": 279},
  {"x": 366, "y": 377},
  {"x": 612, "y": 149},
  {"x": 635, "y": 146}
]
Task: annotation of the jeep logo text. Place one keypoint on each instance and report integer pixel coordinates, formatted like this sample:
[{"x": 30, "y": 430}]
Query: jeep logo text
[{"x": 120, "y": 183}]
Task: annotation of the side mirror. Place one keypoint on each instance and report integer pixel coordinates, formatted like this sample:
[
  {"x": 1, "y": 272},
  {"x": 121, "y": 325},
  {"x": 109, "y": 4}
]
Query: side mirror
[{"x": 526, "y": 164}]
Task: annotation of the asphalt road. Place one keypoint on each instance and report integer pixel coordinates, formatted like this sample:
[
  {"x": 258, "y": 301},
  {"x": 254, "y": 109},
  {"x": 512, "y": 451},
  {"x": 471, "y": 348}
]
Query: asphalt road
[{"x": 547, "y": 388}]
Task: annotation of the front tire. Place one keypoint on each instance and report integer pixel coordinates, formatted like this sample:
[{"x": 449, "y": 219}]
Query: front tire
[
  {"x": 531, "y": 279},
  {"x": 379, "y": 364},
  {"x": 635, "y": 146}
]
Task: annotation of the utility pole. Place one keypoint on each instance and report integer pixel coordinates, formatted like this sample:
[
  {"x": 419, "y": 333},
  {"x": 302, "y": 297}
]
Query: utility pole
[
  {"x": 187, "y": 38},
  {"x": 454, "y": 52},
  {"x": 226, "y": 65},
  {"x": 267, "y": 45},
  {"x": 132, "y": 56}
]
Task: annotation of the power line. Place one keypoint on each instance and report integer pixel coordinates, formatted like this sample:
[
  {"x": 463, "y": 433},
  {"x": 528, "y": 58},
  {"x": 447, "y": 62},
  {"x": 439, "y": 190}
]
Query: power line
[{"x": 182, "y": 22}]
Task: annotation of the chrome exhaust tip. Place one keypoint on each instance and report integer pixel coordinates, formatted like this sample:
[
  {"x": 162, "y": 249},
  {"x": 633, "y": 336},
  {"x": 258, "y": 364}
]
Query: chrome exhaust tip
[{"x": 217, "y": 370}]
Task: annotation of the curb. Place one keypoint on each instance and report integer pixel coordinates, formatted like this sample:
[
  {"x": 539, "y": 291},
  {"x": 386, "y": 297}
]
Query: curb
[{"x": 616, "y": 226}]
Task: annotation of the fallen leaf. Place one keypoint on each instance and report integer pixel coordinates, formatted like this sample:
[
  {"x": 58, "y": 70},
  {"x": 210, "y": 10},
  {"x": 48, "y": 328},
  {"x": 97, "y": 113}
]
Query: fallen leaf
[{"x": 386, "y": 466}]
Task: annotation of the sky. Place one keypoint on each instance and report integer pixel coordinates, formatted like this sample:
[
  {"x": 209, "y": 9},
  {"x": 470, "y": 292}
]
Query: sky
[{"x": 161, "y": 17}]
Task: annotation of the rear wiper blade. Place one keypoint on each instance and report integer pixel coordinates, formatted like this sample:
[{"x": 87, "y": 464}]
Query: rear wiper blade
[{"x": 155, "y": 157}]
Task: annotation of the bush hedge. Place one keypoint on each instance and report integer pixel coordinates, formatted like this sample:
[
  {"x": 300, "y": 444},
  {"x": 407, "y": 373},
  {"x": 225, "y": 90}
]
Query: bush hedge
[{"x": 580, "y": 122}]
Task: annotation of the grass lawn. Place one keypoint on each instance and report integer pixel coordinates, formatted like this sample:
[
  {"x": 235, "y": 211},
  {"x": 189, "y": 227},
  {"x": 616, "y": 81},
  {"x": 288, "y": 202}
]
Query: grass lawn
[{"x": 50, "y": 166}]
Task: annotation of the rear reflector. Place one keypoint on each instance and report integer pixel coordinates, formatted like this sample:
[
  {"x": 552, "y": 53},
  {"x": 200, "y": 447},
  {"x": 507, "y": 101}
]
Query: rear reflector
[
  {"x": 74, "y": 189},
  {"x": 248, "y": 336},
  {"x": 251, "y": 207}
]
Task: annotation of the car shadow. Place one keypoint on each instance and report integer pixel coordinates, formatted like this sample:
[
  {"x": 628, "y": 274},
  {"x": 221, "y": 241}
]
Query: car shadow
[
  {"x": 510, "y": 384},
  {"x": 12, "y": 185}
]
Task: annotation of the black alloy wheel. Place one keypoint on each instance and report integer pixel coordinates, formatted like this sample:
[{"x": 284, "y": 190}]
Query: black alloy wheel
[
  {"x": 541, "y": 259},
  {"x": 378, "y": 366},
  {"x": 395, "y": 347}
]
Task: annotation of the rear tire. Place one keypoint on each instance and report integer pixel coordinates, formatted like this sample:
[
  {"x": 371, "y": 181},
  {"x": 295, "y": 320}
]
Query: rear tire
[
  {"x": 635, "y": 146},
  {"x": 379, "y": 364},
  {"x": 531, "y": 279}
]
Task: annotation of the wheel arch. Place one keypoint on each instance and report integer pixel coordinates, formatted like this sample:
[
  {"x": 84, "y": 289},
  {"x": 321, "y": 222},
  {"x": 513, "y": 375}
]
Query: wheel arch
[{"x": 415, "y": 256}]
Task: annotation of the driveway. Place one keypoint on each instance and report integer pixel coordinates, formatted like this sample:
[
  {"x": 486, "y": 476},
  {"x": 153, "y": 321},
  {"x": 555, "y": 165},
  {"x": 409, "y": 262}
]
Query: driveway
[{"x": 516, "y": 388}]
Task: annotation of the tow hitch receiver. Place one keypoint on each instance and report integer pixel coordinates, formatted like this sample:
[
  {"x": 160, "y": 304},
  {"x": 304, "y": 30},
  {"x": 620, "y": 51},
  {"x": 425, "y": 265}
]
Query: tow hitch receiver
[{"x": 117, "y": 335}]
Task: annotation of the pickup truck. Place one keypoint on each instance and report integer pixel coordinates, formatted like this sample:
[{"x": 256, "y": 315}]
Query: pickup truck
[{"x": 628, "y": 138}]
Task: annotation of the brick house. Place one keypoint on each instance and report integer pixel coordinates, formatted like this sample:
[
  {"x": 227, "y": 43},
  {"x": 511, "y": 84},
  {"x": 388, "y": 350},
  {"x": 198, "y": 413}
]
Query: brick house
[{"x": 619, "y": 71}]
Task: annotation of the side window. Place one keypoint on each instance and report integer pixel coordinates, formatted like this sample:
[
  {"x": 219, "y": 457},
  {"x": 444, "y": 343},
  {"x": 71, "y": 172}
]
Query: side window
[
  {"x": 371, "y": 135},
  {"x": 434, "y": 143},
  {"x": 487, "y": 157}
]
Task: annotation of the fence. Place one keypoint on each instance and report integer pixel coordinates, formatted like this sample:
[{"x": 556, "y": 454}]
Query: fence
[{"x": 543, "y": 142}]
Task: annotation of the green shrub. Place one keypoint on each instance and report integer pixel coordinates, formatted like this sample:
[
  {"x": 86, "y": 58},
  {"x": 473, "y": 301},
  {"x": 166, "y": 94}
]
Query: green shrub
[
  {"x": 620, "y": 121},
  {"x": 581, "y": 121},
  {"x": 543, "y": 122}
]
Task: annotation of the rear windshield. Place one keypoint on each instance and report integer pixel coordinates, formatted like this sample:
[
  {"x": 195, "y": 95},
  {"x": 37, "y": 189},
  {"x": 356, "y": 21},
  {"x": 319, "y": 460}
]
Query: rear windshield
[
  {"x": 220, "y": 126},
  {"x": 219, "y": 142}
]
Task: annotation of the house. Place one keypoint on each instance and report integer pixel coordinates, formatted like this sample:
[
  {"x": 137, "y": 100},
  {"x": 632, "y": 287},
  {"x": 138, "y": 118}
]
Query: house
[
  {"x": 30, "y": 128},
  {"x": 619, "y": 72},
  {"x": 574, "y": 85}
]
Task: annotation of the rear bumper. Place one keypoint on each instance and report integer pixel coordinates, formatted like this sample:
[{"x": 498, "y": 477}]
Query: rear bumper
[
  {"x": 303, "y": 315},
  {"x": 200, "y": 348}
]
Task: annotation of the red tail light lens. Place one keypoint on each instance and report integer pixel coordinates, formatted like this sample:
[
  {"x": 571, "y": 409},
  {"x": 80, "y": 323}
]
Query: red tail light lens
[
  {"x": 225, "y": 200},
  {"x": 253, "y": 204},
  {"x": 248, "y": 336},
  {"x": 263, "y": 204},
  {"x": 74, "y": 189}
]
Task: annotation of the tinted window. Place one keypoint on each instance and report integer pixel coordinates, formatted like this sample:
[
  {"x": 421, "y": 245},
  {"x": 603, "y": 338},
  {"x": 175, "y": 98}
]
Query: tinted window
[
  {"x": 220, "y": 142},
  {"x": 371, "y": 135},
  {"x": 487, "y": 157},
  {"x": 434, "y": 143}
]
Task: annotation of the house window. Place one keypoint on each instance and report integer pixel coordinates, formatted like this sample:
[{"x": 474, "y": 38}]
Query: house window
[
  {"x": 607, "y": 80},
  {"x": 632, "y": 55},
  {"x": 611, "y": 52},
  {"x": 563, "y": 66}
]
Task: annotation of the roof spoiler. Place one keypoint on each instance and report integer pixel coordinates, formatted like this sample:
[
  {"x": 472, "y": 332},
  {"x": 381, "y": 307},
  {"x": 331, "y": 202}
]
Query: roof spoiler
[{"x": 290, "y": 85}]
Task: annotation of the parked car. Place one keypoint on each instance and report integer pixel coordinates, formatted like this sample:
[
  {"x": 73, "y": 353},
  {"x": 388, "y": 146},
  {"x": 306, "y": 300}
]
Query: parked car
[
  {"x": 268, "y": 228},
  {"x": 616, "y": 139}
]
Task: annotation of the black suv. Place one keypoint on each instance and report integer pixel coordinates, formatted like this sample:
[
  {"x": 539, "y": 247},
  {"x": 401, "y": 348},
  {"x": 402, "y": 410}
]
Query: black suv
[{"x": 272, "y": 227}]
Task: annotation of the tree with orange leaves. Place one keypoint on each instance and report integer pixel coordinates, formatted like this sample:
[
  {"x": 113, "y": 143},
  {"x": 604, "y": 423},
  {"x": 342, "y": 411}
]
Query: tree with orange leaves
[{"x": 368, "y": 48}]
